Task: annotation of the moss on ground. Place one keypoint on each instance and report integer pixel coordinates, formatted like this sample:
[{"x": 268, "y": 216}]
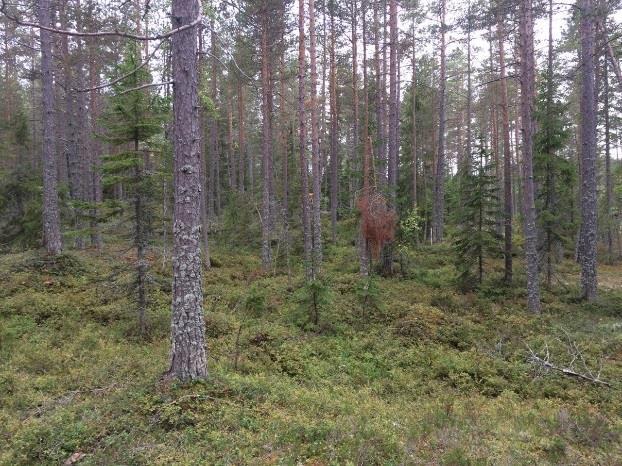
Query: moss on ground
[{"x": 398, "y": 371}]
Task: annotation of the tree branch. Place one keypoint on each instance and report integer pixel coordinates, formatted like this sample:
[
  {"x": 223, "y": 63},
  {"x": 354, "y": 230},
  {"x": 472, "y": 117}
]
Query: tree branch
[
  {"x": 545, "y": 363},
  {"x": 114, "y": 33},
  {"x": 126, "y": 75},
  {"x": 144, "y": 86}
]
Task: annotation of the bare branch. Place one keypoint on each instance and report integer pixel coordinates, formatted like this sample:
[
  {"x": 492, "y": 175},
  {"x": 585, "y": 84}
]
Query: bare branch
[
  {"x": 114, "y": 33},
  {"x": 144, "y": 86},
  {"x": 544, "y": 362},
  {"x": 126, "y": 75}
]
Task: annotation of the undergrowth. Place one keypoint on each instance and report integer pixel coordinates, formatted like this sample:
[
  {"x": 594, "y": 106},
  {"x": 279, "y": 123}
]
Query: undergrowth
[{"x": 401, "y": 370}]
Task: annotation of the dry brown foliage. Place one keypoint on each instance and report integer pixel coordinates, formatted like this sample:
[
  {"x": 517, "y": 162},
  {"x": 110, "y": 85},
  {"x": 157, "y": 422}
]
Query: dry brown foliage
[{"x": 377, "y": 221}]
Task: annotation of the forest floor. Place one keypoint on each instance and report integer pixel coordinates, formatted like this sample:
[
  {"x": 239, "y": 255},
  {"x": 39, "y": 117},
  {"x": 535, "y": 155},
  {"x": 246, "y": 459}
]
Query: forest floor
[{"x": 399, "y": 371}]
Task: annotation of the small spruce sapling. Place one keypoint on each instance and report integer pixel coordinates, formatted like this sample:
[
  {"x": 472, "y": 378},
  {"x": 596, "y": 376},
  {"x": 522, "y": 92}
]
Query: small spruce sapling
[{"x": 131, "y": 119}]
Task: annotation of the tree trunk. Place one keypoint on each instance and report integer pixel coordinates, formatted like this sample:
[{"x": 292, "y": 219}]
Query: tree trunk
[
  {"x": 334, "y": 156},
  {"x": 527, "y": 73},
  {"x": 363, "y": 248},
  {"x": 203, "y": 177},
  {"x": 302, "y": 145},
  {"x": 84, "y": 168},
  {"x": 188, "y": 352},
  {"x": 231, "y": 162},
  {"x": 380, "y": 123},
  {"x": 466, "y": 165},
  {"x": 241, "y": 138},
  {"x": 51, "y": 216},
  {"x": 315, "y": 147},
  {"x": 71, "y": 131},
  {"x": 438, "y": 205},
  {"x": 355, "y": 104},
  {"x": 96, "y": 196},
  {"x": 413, "y": 134},
  {"x": 266, "y": 230},
  {"x": 588, "y": 154},
  {"x": 507, "y": 156},
  {"x": 213, "y": 180},
  {"x": 140, "y": 242},
  {"x": 608, "y": 182},
  {"x": 393, "y": 104},
  {"x": 549, "y": 176}
]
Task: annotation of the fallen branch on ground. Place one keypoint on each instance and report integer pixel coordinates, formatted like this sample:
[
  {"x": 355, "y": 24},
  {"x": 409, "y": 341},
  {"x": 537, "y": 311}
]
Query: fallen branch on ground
[{"x": 545, "y": 363}]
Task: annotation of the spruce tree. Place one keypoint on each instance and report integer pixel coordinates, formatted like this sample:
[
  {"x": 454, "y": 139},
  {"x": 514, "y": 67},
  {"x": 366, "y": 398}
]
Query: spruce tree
[
  {"x": 133, "y": 116},
  {"x": 476, "y": 237},
  {"x": 555, "y": 177}
]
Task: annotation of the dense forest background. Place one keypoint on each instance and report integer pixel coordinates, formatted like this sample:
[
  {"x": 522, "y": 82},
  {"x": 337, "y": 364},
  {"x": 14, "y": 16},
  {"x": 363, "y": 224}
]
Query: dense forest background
[{"x": 398, "y": 203}]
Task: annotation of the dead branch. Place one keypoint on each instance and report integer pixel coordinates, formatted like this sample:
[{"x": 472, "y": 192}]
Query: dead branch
[
  {"x": 545, "y": 363},
  {"x": 124, "y": 76},
  {"x": 114, "y": 33}
]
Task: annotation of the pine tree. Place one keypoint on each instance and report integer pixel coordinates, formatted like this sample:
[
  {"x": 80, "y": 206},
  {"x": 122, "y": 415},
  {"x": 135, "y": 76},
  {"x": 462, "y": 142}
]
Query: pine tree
[
  {"x": 476, "y": 237},
  {"x": 132, "y": 117}
]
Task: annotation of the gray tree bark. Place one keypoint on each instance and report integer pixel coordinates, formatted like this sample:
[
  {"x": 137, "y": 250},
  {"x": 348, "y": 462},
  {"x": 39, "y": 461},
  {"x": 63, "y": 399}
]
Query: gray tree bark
[
  {"x": 527, "y": 81},
  {"x": 188, "y": 358},
  {"x": 589, "y": 202},
  {"x": 51, "y": 216}
]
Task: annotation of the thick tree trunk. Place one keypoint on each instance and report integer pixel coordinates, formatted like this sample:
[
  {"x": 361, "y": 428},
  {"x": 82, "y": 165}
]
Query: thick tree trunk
[
  {"x": 527, "y": 79},
  {"x": 507, "y": 155},
  {"x": 438, "y": 204},
  {"x": 51, "y": 216},
  {"x": 589, "y": 203},
  {"x": 188, "y": 352}
]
